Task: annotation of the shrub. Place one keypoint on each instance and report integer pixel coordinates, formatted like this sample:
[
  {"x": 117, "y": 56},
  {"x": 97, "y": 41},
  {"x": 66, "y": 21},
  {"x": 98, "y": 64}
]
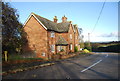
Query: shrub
[
  {"x": 86, "y": 51},
  {"x": 88, "y": 48},
  {"x": 62, "y": 50},
  {"x": 76, "y": 49}
]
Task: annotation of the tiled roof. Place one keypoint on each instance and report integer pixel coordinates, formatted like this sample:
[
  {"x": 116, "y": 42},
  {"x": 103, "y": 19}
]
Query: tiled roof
[
  {"x": 61, "y": 41},
  {"x": 50, "y": 25}
]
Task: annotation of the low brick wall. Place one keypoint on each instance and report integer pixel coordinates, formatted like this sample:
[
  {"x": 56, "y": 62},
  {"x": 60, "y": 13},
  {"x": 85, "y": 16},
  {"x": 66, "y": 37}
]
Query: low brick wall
[
  {"x": 56, "y": 57},
  {"x": 67, "y": 56}
]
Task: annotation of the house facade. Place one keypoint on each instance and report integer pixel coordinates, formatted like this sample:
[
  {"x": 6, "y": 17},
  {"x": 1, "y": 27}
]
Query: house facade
[{"x": 47, "y": 38}]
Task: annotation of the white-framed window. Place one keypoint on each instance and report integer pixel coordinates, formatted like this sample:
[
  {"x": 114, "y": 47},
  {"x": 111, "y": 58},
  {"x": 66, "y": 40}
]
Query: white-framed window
[
  {"x": 52, "y": 48},
  {"x": 61, "y": 48},
  {"x": 70, "y": 46},
  {"x": 70, "y": 36},
  {"x": 58, "y": 48},
  {"x": 43, "y": 54},
  {"x": 52, "y": 34}
]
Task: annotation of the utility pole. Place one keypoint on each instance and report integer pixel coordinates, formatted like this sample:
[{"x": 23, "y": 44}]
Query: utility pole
[{"x": 89, "y": 37}]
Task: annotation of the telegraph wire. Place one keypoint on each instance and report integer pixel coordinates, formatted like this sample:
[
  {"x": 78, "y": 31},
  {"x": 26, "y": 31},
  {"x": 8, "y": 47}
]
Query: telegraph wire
[
  {"x": 99, "y": 16},
  {"x": 96, "y": 21}
]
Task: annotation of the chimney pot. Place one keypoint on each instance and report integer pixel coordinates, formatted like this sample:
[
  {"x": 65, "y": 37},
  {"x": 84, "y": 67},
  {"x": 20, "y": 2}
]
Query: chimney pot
[
  {"x": 64, "y": 19},
  {"x": 55, "y": 19}
]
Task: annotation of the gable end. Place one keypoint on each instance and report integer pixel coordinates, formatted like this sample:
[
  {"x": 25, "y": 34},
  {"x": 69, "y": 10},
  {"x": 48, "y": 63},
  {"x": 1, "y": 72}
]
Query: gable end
[{"x": 35, "y": 18}]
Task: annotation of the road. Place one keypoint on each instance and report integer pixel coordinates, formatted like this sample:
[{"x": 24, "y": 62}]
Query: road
[{"x": 95, "y": 66}]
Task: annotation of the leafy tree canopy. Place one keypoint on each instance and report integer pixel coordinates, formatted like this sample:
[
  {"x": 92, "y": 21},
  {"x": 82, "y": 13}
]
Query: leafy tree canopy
[{"x": 11, "y": 28}]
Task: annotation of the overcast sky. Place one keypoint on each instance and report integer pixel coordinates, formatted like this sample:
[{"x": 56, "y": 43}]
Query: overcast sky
[{"x": 84, "y": 14}]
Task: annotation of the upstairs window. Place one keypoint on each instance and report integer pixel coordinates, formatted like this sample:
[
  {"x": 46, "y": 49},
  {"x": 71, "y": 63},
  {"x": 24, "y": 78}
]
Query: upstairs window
[
  {"x": 70, "y": 36},
  {"x": 70, "y": 46},
  {"x": 52, "y": 34}
]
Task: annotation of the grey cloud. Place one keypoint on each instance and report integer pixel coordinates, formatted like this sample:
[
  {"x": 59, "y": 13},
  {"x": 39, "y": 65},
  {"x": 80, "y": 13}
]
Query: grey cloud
[{"x": 112, "y": 34}]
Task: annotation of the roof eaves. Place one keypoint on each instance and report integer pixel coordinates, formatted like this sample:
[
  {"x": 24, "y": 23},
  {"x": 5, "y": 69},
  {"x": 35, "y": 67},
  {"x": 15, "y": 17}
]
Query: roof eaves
[
  {"x": 39, "y": 21},
  {"x": 27, "y": 20}
]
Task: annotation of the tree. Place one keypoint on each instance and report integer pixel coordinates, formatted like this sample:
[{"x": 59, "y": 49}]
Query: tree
[
  {"x": 81, "y": 44},
  {"x": 80, "y": 30},
  {"x": 11, "y": 28},
  {"x": 81, "y": 38},
  {"x": 87, "y": 46},
  {"x": 76, "y": 49}
]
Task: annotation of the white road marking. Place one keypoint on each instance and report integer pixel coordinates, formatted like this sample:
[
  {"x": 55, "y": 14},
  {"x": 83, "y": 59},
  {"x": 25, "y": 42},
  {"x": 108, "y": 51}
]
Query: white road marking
[
  {"x": 91, "y": 66},
  {"x": 106, "y": 55}
]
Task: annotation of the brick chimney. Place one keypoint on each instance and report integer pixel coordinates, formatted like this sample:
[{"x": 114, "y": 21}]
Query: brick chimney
[
  {"x": 55, "y": 19},
  {"x": 64, "y": 19}
]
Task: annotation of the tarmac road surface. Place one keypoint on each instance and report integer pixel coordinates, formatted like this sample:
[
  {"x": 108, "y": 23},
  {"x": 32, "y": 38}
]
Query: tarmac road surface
[{"x": 95, "y": 66}]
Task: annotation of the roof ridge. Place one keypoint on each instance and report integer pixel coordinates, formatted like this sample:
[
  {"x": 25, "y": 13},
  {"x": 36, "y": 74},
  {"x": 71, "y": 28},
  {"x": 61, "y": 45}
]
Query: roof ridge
[
  {"x": 43, "y": 17},
  {"x": 51, "y": 25},
  {"x": 50, "y": 20}
]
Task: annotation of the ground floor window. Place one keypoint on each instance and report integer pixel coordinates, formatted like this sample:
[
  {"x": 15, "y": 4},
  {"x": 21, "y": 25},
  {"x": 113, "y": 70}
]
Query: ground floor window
[
  {"x": 70, "y": 46},
  {"x": 43, "y": 54},
  {"x": 52, "y": 48},
  {"x": 59, "y": 48}
]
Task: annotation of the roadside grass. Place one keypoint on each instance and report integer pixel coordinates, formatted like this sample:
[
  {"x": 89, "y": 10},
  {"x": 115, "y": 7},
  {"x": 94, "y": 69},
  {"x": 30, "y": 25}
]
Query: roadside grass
[
  {"x": 18, "y": 57},
  {"x": 106, "y": 45},
  {"x": 32, "y": 63}
]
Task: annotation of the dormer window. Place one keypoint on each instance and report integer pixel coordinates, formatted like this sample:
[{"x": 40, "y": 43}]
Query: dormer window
[{"x": 52, "y": 34}]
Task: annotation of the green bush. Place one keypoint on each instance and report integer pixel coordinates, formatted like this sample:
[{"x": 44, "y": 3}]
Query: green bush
[
  {"x": 88, "y": 48},
  {"x": 76, "y": 49},
  {"x": 86, "y": 51},
  {"x": 62, "y": 50}
]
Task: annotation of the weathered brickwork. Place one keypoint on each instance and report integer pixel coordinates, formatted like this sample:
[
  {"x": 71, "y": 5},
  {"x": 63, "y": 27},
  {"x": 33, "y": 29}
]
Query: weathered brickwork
[
  {"x": 42, "y": 41},
  {"x": 37, "y": 37},
  {"x": 71, "y": 39},
  {"x": 65, "y": 36},
  {"x": 51, "y": 41},
  {"x": 77, "y": 39}
]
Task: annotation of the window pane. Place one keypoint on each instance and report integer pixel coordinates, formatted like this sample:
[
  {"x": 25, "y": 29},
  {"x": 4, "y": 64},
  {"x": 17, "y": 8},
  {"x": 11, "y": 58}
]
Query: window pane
[
  {"x": 52, "y": 48},
  {"x": 52, "y": 34},
  {"x": 43, "y": 54},
  {"x": 71, "y": 47}
]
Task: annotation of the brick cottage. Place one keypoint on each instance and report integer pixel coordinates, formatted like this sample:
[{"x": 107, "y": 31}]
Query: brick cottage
[{"x": 47, "y": 38}]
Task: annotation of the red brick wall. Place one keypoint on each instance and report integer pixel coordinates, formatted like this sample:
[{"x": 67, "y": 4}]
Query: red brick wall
[
  {"x": 37, "y": 37},
  {"x": 65, "y": 36},
  {"x": 71, "y": 41},
  {"x": 77, "y": 39},
  {"x": 51, "y": 41},
  {"x": 40, "y": 40}
]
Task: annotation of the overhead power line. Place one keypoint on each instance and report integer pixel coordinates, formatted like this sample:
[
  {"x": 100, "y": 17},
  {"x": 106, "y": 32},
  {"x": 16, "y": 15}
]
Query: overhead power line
[{"x": 99, "y": 16}]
